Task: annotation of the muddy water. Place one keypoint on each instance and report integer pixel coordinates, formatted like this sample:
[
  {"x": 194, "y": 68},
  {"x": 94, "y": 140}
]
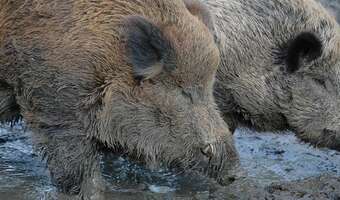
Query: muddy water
[{"x": 268, "y": 158}]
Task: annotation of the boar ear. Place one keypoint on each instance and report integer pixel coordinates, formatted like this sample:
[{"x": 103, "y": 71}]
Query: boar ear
[
  {"x": 201, "y": 11},
  {"x": 146, "y": 47},
  {"x": 306, "y": 47}
]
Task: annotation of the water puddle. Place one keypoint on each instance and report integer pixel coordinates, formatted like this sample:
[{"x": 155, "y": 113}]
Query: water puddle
[{"x": 267, "y": 157}]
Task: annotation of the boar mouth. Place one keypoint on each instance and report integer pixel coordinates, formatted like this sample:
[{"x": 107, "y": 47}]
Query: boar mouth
[
  {"x": 215, "y": 166},
  {"x": 212, "y": 167}
]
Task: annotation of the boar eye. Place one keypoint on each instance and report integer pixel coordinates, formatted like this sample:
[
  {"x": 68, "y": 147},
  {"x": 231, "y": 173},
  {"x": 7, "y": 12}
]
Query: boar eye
[{"x": 306, "y": 47}]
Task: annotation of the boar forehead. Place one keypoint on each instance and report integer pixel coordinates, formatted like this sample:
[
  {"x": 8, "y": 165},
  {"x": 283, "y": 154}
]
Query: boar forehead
[{"x": 194, "y": 57}]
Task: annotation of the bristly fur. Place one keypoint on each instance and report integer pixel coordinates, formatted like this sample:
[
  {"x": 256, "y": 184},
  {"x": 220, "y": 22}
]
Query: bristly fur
[
  {"x": 280, "y": 67},
  {"x": 71, "y": 71}
]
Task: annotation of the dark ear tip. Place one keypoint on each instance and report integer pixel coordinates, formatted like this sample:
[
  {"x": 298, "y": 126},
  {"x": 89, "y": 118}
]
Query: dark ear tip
[
  {"x": 312, "y": 42},
  {"x": 305, "y": 46}
]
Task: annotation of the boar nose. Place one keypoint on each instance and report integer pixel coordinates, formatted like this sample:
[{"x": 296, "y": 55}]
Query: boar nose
[{"x": 208, "y": 150}]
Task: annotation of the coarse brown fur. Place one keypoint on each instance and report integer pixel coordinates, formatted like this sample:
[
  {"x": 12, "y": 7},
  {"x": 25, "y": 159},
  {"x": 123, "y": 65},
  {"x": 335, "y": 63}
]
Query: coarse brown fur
[
  {"x": 280, "y": 67},
  {"x": 130, "y": 75}
]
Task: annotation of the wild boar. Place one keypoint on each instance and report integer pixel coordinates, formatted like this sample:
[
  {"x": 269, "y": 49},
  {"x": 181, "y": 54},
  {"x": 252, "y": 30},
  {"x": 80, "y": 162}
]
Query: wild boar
[
  {"x": 133, "y": 76},
  {"x": 280, "y": 67}
]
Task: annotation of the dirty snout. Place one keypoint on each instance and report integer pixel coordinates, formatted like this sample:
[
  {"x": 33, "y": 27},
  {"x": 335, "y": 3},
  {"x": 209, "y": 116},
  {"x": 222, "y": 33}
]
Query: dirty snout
[{"x": 214, "y": 147}]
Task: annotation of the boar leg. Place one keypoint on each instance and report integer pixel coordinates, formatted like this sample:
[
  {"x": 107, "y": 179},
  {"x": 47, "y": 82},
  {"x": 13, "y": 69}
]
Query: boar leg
[
  {"x": 73, "y": 160},
  {"x": 9, "y": 109}
]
